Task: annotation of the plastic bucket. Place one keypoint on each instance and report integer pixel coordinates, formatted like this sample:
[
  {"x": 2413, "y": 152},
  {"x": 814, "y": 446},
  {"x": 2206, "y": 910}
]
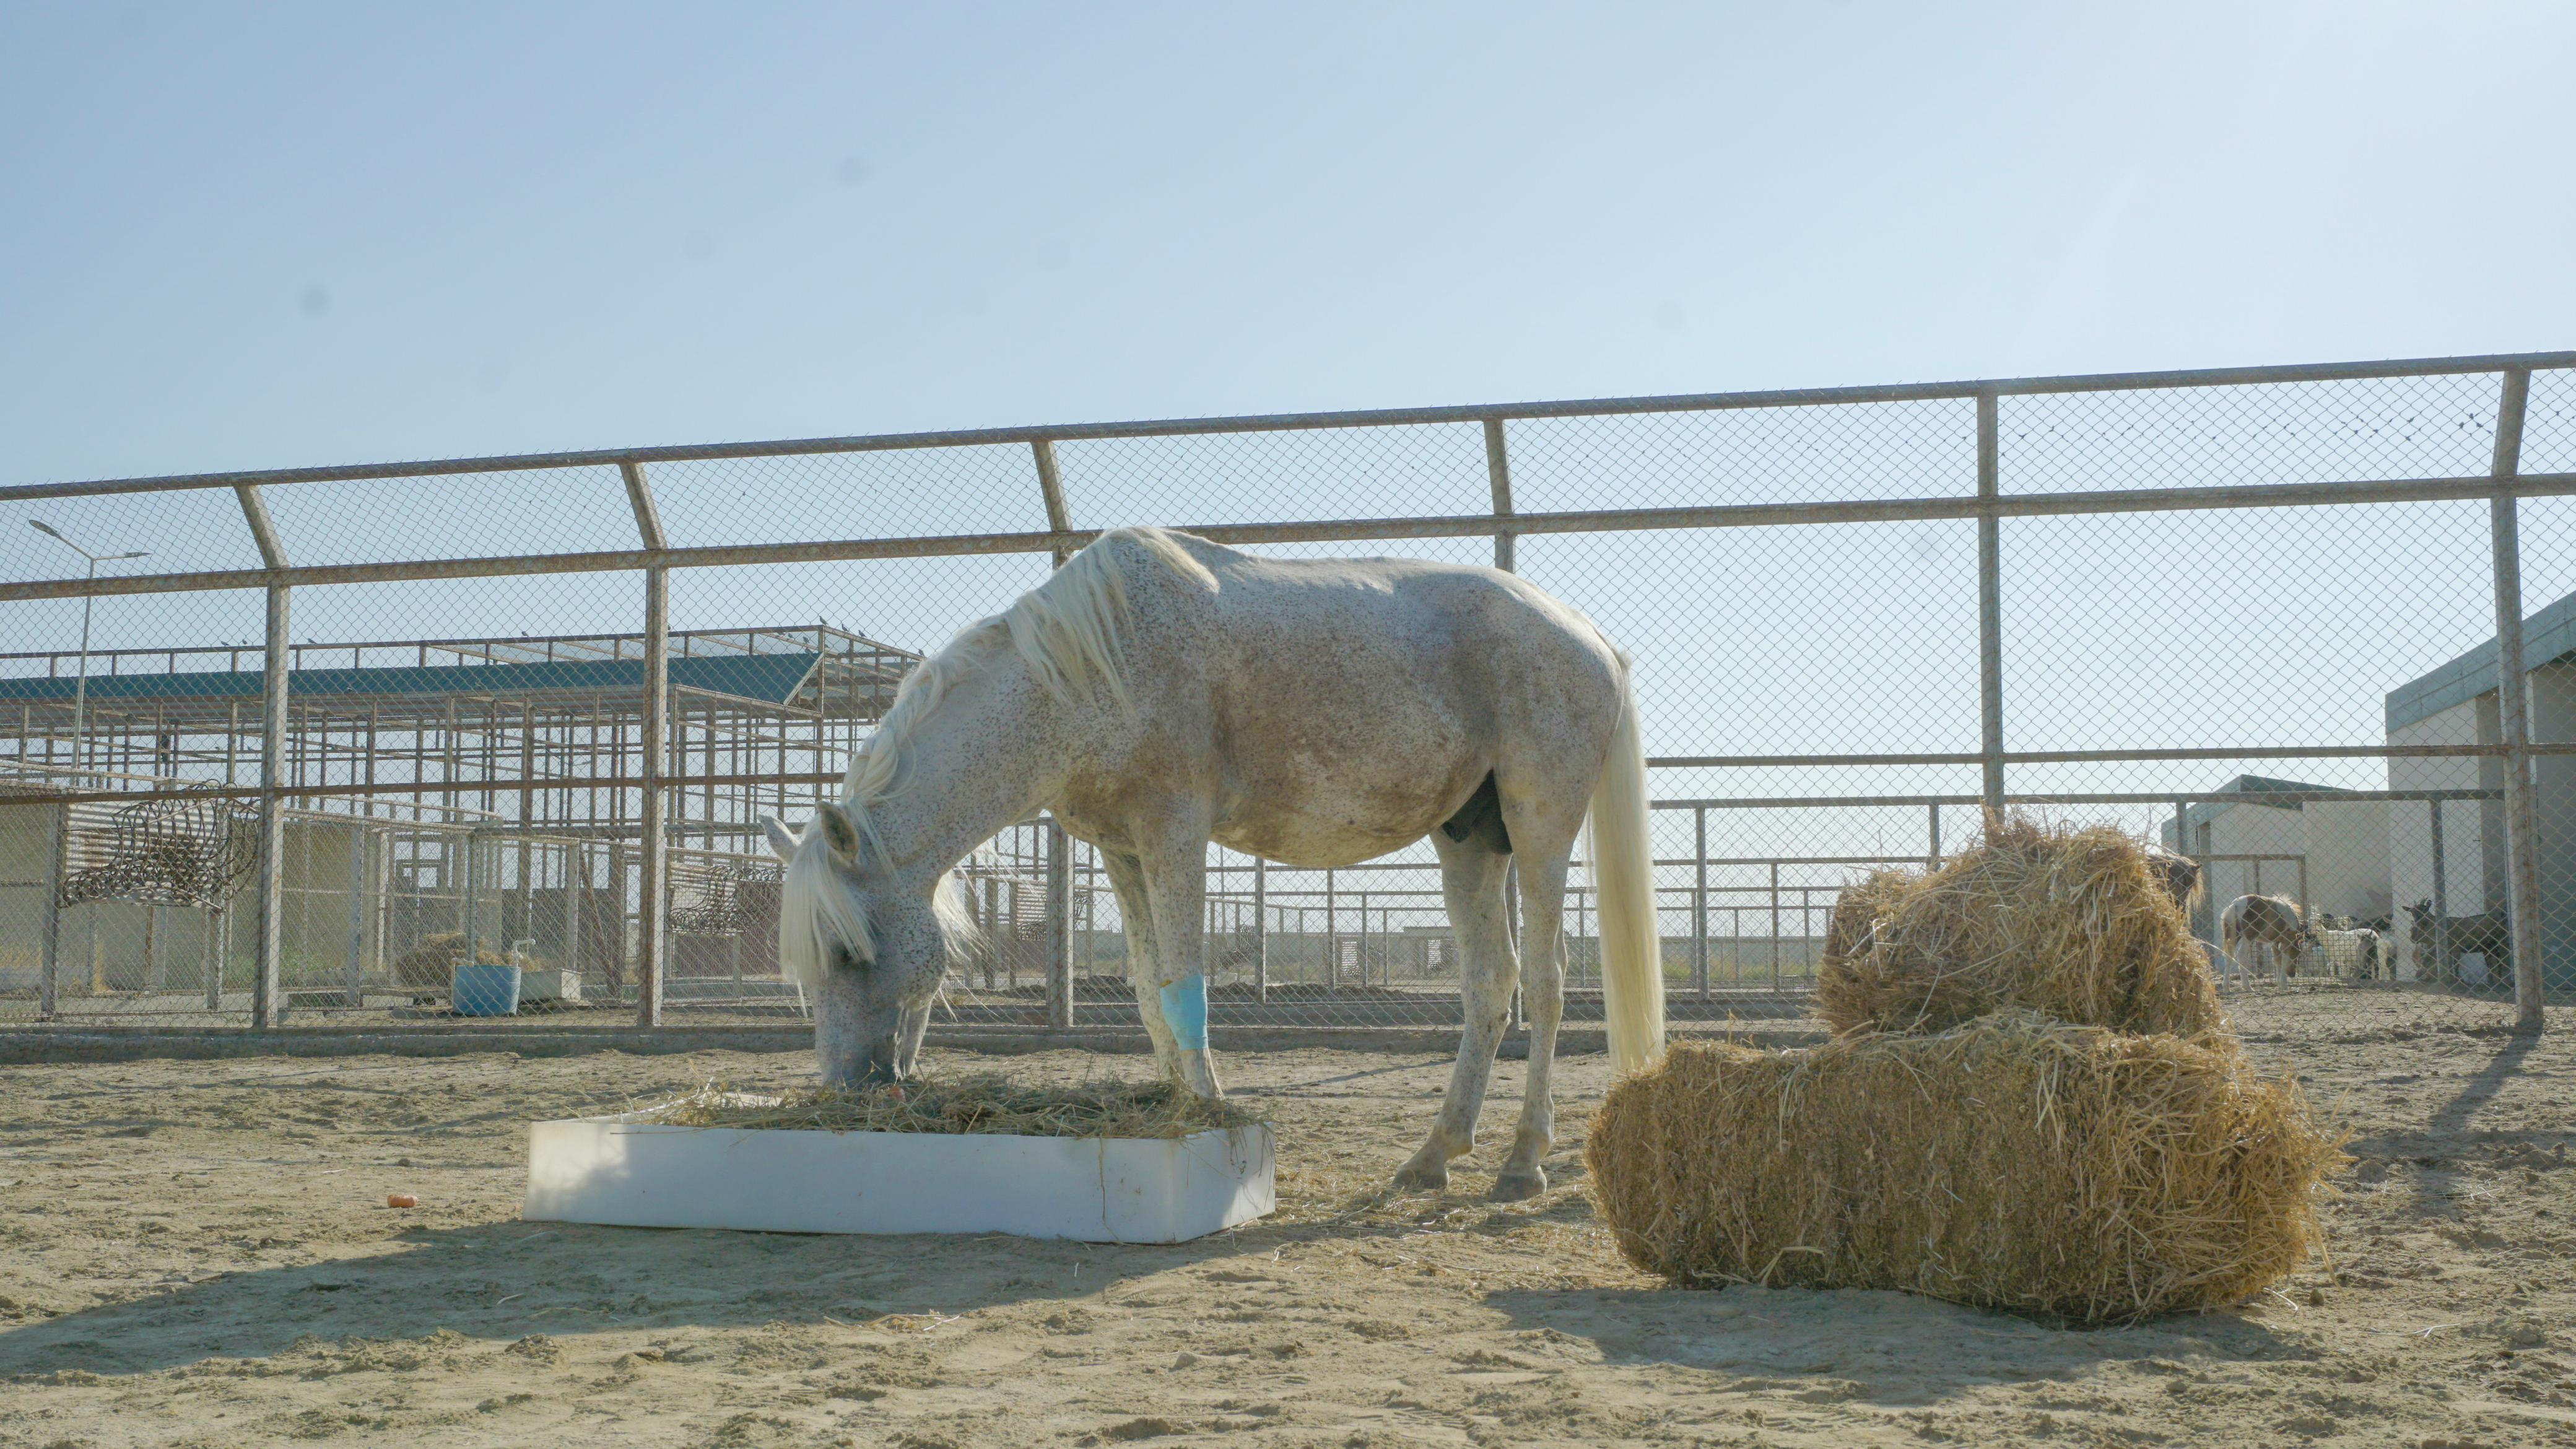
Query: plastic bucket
[{"x": 482, "y": 990}]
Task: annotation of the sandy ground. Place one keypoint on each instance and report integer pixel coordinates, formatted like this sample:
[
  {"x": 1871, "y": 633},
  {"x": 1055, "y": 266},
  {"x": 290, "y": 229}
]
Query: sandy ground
[{"x": 198, "y": 1253}]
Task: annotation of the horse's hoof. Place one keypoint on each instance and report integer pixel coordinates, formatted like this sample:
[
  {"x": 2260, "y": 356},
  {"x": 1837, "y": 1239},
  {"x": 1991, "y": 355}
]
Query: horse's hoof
[
  {"x": 1422, "y": 1176},
  {"x": 1519, "y": 1186}
]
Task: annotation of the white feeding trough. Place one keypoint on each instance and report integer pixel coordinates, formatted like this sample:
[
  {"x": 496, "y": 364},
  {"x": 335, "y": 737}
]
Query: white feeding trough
[{"x": 636, "y": 1170}]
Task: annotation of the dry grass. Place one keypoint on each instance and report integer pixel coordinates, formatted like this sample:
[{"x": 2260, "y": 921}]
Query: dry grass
[
  {"x": 2014, "y": 1163},
  {"x": 985, "y": 1102},
  {"x": 2067, "y": 922}
]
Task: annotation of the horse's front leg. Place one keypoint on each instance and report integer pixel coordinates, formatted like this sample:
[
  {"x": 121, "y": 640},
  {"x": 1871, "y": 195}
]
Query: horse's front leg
[
  {"x": 1127, "y": 879},
  {"x": 1175, "y": 876}
]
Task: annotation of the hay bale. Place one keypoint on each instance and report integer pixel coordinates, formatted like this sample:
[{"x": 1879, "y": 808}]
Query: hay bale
[
  {"x": 2014, "y": 1163},
  {"x": 2075, "y": 924}
]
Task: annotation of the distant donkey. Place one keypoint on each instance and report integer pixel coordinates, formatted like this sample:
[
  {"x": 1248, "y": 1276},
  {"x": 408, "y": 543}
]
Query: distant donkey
[
  {"x": 2179, "y": 875},
  {"x": 2440, "y": 942},
  {"x": 2267, "y": 921}
]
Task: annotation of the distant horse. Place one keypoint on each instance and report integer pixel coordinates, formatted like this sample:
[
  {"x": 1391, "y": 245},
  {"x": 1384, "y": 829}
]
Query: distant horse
[
  {"x": 2266, "y": 921},
  {"x": 1159, "y": 692}
]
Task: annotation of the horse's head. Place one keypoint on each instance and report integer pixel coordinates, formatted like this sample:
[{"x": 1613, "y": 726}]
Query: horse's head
[{"x": 869, "y": 942}]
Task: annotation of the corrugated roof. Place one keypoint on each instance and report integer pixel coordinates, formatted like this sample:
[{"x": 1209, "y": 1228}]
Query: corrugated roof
[
  {"x": 768, "y": 678},
  {"x": 2547, "y": 636}
]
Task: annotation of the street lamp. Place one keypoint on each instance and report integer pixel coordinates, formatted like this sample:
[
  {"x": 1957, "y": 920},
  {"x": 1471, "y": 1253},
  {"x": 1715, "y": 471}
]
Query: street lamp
[{"x": 80, "y": 690}]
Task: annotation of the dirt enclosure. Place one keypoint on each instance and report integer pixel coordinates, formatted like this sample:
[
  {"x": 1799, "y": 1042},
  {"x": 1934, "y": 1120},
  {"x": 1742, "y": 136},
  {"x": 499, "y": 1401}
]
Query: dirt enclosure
[{"x": 198, "y": 1253}]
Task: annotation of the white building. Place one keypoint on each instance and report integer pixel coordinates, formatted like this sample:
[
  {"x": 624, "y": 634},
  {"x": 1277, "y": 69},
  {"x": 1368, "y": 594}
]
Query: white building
[{"x": 2456, "y": 705}]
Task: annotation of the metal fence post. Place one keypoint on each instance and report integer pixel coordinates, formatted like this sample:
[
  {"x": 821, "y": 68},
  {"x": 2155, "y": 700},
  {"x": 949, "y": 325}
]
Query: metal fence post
[
  {"x": 268, "y": 987},
  {"x": 615, "y": 955},
  {"x": 1775, "y": 927},
  {"x": 1498, "y": 476},
  {"x": 2513, "y": 709},
  {"x": 576, "y": 889},
  {"x": 2182, "y": 846},
  {"x": 57, "y": 865},
  {"x": 267, "y": 982},
  {"x": 1332, "y": 936},
  {"x": 223, "y": 954},
  {"x": 2441, "y": 904},
  {"x": 1051, "y": 494},
  {"x": 652, "y": 909},
  {"x": 1260, "y": 929},
  {"x": 1498, "y": 472},
  {"x": 1699, "y": 900},
  {"x": 1990, "y": 608},
  {"x": 356, "y": 992},
  {"x": 1060, "y": 981},
  {"x": 1059, "y": 925},
  {"x": 652, "y": 906}
]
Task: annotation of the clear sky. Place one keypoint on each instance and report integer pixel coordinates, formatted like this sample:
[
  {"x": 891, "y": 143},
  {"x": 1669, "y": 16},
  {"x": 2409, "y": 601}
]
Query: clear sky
[
  {"x": 257, "y": 235},
  {"x": 266, "y": 235}
]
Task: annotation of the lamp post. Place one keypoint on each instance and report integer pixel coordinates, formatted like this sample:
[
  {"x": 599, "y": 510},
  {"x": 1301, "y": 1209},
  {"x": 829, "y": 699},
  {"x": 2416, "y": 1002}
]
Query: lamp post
[{"x": 80, "y": 689}]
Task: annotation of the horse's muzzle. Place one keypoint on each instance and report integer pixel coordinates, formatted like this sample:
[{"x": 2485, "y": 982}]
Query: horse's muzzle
[{"x": 856, "y": 1047}]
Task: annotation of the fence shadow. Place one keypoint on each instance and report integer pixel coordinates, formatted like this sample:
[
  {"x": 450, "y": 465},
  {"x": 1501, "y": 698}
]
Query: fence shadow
[{"x": 2447, "y": 1132}]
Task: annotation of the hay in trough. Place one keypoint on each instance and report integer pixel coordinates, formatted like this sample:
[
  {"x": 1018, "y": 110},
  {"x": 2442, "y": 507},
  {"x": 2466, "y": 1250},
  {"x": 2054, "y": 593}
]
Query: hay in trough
[
  {"x": 2072, "y": 923},
  {"x": 2013, "y": 1163},
  {"x": 986, "y": 1102},
  {"x": 428, "y": 963}
]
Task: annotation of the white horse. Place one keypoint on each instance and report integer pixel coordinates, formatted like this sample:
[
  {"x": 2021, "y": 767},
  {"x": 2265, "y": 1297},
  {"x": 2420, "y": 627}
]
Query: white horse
[{"x": 1159, "y": 692}]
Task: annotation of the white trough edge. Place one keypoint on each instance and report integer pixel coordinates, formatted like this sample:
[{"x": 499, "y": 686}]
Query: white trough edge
[{"x": 632, "y": 1171}]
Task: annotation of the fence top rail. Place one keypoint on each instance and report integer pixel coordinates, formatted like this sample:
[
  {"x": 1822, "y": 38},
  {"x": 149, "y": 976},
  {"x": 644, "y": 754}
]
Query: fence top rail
[
  {"x": 1295, "y": 422},
  {"x": 2180, "y": 797},
  {"x": 1475, "y": 525}
]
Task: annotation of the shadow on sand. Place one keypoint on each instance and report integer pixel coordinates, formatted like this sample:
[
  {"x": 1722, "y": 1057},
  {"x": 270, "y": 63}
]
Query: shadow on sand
[
  {"x": 1886, "y": 1348},
  {"x": 502, "y": 1281},
  {"x": 2434, "y": 1149}
]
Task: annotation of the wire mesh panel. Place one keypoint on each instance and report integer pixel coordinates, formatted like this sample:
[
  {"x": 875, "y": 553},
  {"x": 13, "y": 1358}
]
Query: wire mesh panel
[
  {"x": 2250, "y": 435},
  {"x": 1913, "y": 449},
  {"x": 488, "y": 754},
  {"x": 1432, "y": 470}
]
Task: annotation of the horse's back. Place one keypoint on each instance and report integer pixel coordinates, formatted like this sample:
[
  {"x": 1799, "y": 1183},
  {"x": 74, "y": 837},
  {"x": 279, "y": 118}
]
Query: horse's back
[
  {"x": 1356, "y": 703},
  {"x": 1420, "y": 610}
]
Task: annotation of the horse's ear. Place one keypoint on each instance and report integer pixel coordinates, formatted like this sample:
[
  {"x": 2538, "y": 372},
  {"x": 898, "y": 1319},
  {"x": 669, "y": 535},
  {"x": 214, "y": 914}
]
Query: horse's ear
[
  {"x": 781, "y": 839},
  {"x": 839, "y": 831}
]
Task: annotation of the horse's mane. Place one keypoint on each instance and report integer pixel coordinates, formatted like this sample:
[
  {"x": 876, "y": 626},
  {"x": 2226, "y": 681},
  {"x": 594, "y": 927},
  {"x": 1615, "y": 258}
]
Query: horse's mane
[{"x": 1070, "y": 634}]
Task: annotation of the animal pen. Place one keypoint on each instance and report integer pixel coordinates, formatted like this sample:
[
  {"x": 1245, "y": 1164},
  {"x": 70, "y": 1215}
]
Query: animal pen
[{"x": 312, "y": 765}]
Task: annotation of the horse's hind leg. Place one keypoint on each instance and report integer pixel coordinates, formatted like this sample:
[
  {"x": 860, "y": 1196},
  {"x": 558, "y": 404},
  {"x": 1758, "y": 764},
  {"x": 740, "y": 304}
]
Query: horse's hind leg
[
  {"x": 1471, "y": 876},
  {"x": 1543, "y": 989}
]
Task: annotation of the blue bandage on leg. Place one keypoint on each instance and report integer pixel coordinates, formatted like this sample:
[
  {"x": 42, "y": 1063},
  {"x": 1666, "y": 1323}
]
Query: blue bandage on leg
[{"x": 1185, "y": 1012}]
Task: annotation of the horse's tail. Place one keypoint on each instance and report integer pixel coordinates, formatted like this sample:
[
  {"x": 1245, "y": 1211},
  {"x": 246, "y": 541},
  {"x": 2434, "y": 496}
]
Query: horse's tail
[{"x": 1623, "y": 872}]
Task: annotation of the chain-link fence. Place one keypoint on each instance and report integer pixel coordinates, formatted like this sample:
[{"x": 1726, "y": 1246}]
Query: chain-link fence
[{"x": 319, "y": 745}]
